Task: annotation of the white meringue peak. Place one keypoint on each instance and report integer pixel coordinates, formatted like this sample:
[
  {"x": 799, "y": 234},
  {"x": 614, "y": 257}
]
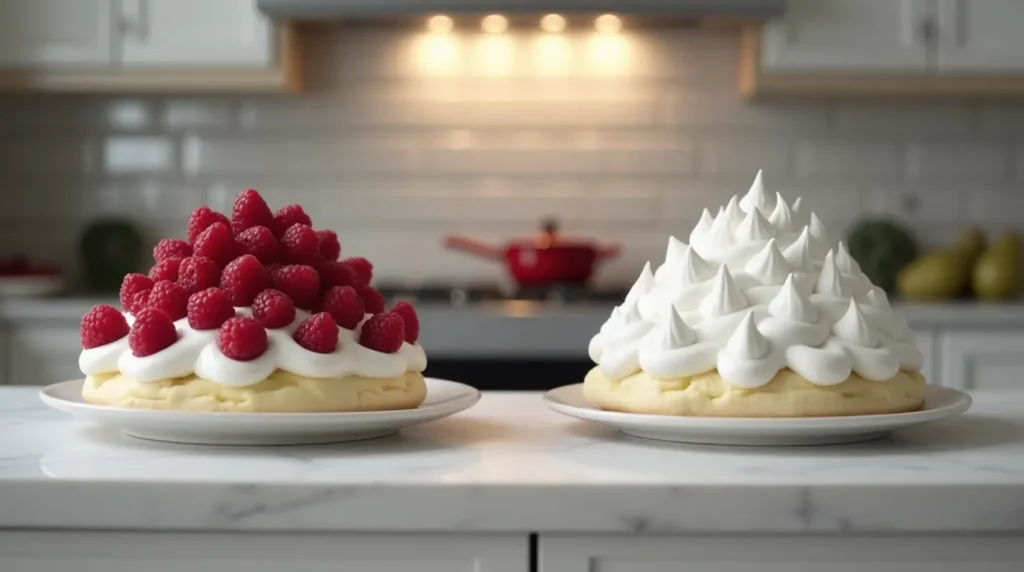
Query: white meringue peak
[
  {"x": 790, "y": 304},
  {"x": 769, "y": 266},
  {"x": 782, "y": 217},
  {"x": 676, "y": 334},
  {"x": 845, "y": 262},
  {"x": 877, "y": 298},
  {"x": 817, "y": 228},
  {"x": 830, "y": 281},
  {"x": 756, "y": 198},
  {"x": 753, "y": 227},
  {"x": 724, "y": 298},
  {"x": 733, "y": 213},
  {"x": 644, "y": 284},
  {"x": 747, "y": 342},
  {"x": 693, "y": 269},
  {"x": 720, "y": 233},
  {"x": 673, "y": 255},
  {"x": 703, "y": 226},
  {"x": 798, "y": 254},
  {"x": 854, "y": 328}
]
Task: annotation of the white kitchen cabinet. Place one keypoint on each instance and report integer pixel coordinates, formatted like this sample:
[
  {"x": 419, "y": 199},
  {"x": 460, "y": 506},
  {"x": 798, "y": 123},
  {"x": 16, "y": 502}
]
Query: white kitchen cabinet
[
  {"x": 40, "y": 355},
  {"x": 797, "y": 553},
  {"x": 848, "y": 35},
  {"x": 980, "y": 36},
  {"x": 195, "y": 33},
  {"x": 982, "y": 359},
  {"x": 254, "y": 552},
  {"x": 57, "y": 33}
]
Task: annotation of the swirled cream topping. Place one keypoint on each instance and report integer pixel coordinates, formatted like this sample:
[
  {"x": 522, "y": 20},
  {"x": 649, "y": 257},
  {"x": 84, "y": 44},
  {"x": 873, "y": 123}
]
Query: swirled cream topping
[
  {"x": 758, "y": 288},
  {"x": 196, "y": 352}
]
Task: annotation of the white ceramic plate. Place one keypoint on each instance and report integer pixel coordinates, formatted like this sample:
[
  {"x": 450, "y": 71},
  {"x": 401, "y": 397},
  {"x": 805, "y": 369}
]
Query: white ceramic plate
[
  {"x": 444, "y": 398},
  {"x": 940, "y": 402}
]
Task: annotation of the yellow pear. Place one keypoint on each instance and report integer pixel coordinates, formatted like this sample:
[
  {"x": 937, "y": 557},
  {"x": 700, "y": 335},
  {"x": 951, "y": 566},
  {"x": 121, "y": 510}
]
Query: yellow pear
[{"x": 997, "y": 272}]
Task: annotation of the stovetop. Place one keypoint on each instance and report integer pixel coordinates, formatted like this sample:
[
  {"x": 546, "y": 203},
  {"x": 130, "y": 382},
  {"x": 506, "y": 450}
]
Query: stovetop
[{"x": 470, "y": 294}]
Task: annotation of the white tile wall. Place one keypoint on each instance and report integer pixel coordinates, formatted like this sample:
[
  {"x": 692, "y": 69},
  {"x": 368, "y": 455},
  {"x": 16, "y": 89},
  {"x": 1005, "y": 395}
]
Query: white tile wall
[{"x": 402, "y": 139}]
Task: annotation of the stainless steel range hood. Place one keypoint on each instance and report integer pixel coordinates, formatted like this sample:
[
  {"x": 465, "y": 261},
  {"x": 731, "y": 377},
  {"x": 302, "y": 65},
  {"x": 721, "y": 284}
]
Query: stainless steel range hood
[{"x": 317, "y": 9}]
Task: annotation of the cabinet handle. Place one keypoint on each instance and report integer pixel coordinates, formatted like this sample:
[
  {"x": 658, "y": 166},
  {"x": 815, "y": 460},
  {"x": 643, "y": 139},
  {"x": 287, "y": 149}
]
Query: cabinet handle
[{"x": 926, "y": 31}]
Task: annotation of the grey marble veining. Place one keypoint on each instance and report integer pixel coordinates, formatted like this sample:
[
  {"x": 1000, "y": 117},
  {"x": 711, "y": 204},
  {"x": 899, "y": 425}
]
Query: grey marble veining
[{"x": 510, "y": 464}]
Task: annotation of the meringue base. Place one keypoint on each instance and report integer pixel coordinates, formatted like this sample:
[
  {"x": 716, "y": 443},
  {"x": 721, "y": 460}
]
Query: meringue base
[
  {"x": 282, "y": 392},
  {"x": 786, "y": 395}
]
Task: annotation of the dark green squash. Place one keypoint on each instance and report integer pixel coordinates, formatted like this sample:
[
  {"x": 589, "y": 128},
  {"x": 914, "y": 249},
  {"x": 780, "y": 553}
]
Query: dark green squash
[
  {"x": 109, "y": 249},
  {"x": 882, "y": 248}
]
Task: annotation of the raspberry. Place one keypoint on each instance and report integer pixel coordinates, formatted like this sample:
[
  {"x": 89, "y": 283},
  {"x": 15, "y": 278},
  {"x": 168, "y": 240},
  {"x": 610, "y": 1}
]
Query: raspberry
[
  {"x": 319, "y": 333},
  {"x": 208, "y": 309},
  {"x": 171, "y": 248},
  {"x": 372, "y": 299},
  {"x": 300, "y": 283},
  {"x": 259, "y": 242},
  {"x": 217, "y": 244},
  {"x": 273, "y": 309},
  {"x": 198, "y": 273},
  {"x": 165, "y": 270},
  {"x": 101, "y": 326},
  {"x": 242, "y": 339},
  {"x": 139, "y": 301},
  {"x": 201, "y": 219},
  {"x": 131, "y": 285},
  {"x": 152, "y": 331},
  {"x": 243, "y": 279},
  {"x": 250, "y": 210},
  {"x": 300, "y": 245},
  {"x": 412, "y": 321},
  {"x": 330, "y": 248},
  {"x": 337, "y": 274},
  {"x": 344, "y": 305},
  {"x": 170, "y": 298},
  {"x": 383, "y": 333},
  {"x": 287, "y": 216},
  {"x": 362, "y": 267}
]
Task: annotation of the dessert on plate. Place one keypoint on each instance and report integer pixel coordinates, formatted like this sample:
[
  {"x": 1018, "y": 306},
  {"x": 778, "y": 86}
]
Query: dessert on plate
[
  {"x": 255, "y": 313},
  {"x": 758, "y": 316}
]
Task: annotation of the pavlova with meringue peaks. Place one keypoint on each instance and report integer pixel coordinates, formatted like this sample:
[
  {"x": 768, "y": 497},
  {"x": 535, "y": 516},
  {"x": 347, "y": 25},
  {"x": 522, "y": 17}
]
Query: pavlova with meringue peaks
[
  {"x": 255, "y": 313},
  {"x": 758, "y": 316}
]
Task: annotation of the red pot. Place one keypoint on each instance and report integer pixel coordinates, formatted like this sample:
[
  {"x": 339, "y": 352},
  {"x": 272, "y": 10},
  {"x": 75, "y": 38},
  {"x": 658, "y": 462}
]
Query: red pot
[{"x": 544, "y": 259}]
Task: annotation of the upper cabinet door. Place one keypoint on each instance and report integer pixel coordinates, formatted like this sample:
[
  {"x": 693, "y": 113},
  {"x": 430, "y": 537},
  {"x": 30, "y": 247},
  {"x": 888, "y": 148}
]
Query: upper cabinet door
[
  {"x": 44, "y": 33},
  {"x": 195, "y": 33},
  {"x": 849, "y": 36},
  {"x": 981, "y": 36}
]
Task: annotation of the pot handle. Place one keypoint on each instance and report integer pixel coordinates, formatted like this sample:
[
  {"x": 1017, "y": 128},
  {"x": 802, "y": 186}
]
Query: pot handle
[
  {"x": 473, "y": 246},
  {"x": 610, "y": 251}
]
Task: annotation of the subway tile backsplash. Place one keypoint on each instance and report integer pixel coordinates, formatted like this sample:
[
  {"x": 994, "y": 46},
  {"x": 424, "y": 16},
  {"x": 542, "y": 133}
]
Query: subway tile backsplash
[{"x": 394, "y": 153}]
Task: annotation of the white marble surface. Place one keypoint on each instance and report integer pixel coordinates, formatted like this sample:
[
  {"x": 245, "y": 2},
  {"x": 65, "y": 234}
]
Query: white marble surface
[{"x": 510, "y": 464}]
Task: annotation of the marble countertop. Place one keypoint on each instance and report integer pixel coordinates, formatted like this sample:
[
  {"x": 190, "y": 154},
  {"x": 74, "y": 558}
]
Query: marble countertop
[
  {"x": 510, "y": 464},
  {"x": 526, "y": 329}
]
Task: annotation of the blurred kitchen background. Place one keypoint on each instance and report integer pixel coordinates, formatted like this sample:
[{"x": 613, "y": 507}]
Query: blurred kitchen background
[{"x": 615, "y": 122}]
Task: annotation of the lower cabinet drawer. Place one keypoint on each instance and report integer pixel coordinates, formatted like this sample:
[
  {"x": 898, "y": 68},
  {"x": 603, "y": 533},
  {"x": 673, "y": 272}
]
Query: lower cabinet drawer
[
  {"x": 797, "y": 553},
  {"x": 982, "y": 359},
  {"x": 25, "y": 551}
]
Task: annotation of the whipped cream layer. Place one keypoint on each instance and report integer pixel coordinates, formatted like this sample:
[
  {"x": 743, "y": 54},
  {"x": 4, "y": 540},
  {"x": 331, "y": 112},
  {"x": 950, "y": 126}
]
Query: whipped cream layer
[
  {"x": 196, "y": 352},
  {"x": 757, "y": 289}
]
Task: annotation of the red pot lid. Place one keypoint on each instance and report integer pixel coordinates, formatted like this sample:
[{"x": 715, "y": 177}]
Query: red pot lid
[{"x": 549, "y": 238}]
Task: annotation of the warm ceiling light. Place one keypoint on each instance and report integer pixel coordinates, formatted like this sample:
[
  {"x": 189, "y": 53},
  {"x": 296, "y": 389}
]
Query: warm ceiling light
[
  {"x": 494, "y": 24},
  {"x": 552, "y": 23},
  {"x": 440, "y": 24},
  {"x": 608, "y": 23}
]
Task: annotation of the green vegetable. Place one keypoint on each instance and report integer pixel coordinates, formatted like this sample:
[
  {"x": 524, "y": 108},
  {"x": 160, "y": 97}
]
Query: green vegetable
[
  {"x": 109, "y": 249},
  {"x": 882, "y": 248}
]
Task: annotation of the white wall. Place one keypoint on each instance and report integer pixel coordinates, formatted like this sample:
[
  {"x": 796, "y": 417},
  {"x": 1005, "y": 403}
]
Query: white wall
[{"x": 401, "y": 140}]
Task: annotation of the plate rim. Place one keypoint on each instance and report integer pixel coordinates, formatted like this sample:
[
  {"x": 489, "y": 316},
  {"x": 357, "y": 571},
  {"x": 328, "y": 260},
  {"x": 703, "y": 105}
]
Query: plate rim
[
  {"x": 472, "y": 397},
  {"x": 963, "y": 403}
]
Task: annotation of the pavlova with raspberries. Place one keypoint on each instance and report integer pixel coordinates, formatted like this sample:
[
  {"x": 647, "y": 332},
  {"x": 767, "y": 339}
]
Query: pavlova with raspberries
[{"x": 255, "y": 313}]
